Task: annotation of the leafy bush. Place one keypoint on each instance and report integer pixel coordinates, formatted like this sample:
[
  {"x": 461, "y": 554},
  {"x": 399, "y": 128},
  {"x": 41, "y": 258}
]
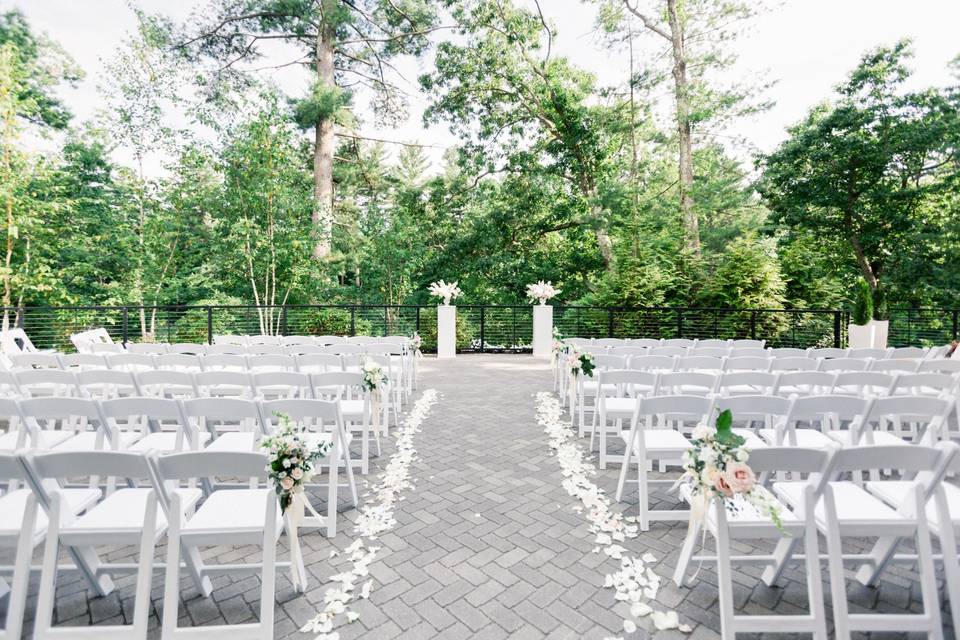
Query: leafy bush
[
  {"x": 862, "y": 303},
  {"x": 466, "y": 330},
  {"x": 329, "y": 322},
  {"x": 192, "y": 325}
]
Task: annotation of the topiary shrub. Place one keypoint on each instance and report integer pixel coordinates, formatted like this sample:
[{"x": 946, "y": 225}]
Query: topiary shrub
[
  {"x": 862, "y": 303},
  {"x": 880, "y": 311}
]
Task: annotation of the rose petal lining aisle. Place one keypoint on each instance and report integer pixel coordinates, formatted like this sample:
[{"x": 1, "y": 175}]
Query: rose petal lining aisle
[
  {"x": 376, "y": 518},
  {"x": 635, "y": 582}
]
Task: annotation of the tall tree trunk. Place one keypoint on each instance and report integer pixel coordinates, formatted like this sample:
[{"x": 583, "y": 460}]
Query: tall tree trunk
[
  {"x": 691, "y": 226},
  {"x": 325, "y": 139}
]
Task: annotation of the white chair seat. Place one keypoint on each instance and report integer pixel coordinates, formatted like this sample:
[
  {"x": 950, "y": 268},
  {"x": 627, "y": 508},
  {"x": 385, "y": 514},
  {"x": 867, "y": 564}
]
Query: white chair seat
[
  {"x": 879, "y": 437},
  {"x": 808, "y": 438},
  {"x": 660, "y": 441},
  {"x": 351, "y": 409},
  {"x": 897, "y": 492},
  {"x": 8, "y": 441},
  {"x": 87, "y": 441},
  {"x": 237, "y": 513},
  {"x": 620, "y": 406},
  {"x": 858, "y": 512},
  {"x": 120, "y": 517},
  {"x": 165, "y": 442},
  {"x": 13, "y": 504},
  {"x": 234, "y": 441},
  {"x": 753, "y": 441},
  {"x": 52, "y": 438}
]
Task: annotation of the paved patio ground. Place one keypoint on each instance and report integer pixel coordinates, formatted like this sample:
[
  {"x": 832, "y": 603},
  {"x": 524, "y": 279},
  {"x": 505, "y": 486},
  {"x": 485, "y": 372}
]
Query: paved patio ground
[{"x": 486, "y": 546}]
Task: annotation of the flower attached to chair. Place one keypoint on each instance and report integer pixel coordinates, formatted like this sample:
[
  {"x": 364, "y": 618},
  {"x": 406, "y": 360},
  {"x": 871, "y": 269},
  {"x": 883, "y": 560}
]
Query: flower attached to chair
[
  {"x": 542, "y": 291},
  {"x": 373, "y": 376},
  {"x": 559, "y": 347},
  {"x": 291, "y": 459},
  {"x": 580, "y": 363},
  {"x": 716, "y": 467},
  {"x": 416, "y": 342},
  {"x": 446, "y": 291}
]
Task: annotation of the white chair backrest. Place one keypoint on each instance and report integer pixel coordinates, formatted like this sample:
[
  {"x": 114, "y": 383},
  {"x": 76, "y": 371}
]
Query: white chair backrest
[
  {"x": 224, "y": 349},
  {"x": 47, "y": 382},
  {"x": 748, "y": 363},
  {"x": 263, "y": 339},
  {"x": 749, "y": 352},
  {"x": 710, "y": 352},
  {"x": 823, "y": 407},
  {"x": 238, "y": 341},
  {"x": 347, "y": 349},
  {"x": 80, "y": 361},
  {"x": 627, "y": 380},
  {"x": 149, "y": 348},
  {"x": 223, "y": 384},
  {"x": 875, "y": 383},
  {"x": 712, "y": 343},
  {"x": 827, "y": 352},
  {"x": 32, "y": 360},
  {"x": 683, "y": 343},
  {"x": 876, "y": 354},
  {"x": 699, "y": 363},
  {"x": 362, "y": 340},
  {"x": 303, "y": 349},
  {"x": 942, "y": 365},
  {"x": 264, "y": 349},
  {"x": 844, "y": 364},
  {"x": 319, "y": 363},
  {"x": 146, "y": 414},
  {"x": 909, "y": 352},
  {"x": 746, "y": 382},
  {"x": 224, "y": 362},
  {"x": 629, "y": 351},
  {"x": 926, "y": 384},
  {"x": 297, "y": 340},
  {"x": 794, "y": 363},
  {"x": 273, "y": 362},
  {"x": 327, "y": 340},
  {"x": 131, "y": 361},
  {"x": 334, "y": 385},
  {"x": 669, "y": 350},
  {"x": 102, "y": 347},
  {"x": 687, "y": 383},
  {"x": 103, "y": 384},
  {"x": 178, "y": 362},
  {"x": 899, "y": 365},
  {"x": 747, "y": 343},
  {"x": 167, "y": 384},
  {"x": 751, "y": 408},
  {"x": 609, "y": 342},
  {"x": 653, "y": 363},
  {"x": 602, "y": 361},
  {"x": 271, "y": 385},
  {"x": 684, "y": 408},
  {"x": 648, "y": 343},
  {"x": 804, "y": 383},
  {"x": 190, "y": 348},
  {"x": 789, "y": 352},
  {"x": 237, "y": 411}
]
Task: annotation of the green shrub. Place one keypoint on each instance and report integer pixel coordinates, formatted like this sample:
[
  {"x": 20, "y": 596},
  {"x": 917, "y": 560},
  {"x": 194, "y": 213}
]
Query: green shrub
[
  {"x": 329, "y": 322},
  {"x": 466, "y": 330},
  {"x": 862, "y": 303}
]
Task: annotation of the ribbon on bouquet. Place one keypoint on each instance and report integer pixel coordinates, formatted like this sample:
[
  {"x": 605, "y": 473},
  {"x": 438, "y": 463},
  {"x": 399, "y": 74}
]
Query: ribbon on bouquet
[
  {"x": 572, "y": 392},
  {"x": 375, "y": 408},
  {"x": 299, "y": 504}
]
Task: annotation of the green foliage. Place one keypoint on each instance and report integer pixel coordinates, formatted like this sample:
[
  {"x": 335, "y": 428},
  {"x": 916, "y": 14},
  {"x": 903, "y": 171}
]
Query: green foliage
[
  {"x": 331, "y": 322},
  {"x": 880, "y": 311},
  {"x": 862, "y": 304},
  {"x": 323, "y": 103}
]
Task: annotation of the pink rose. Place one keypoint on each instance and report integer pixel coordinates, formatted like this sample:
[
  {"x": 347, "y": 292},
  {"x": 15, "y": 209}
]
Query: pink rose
[
  {"x": 297, "y": 473},
  {"x": 287, "y": 483},
  {"x": 720, "y": 483},
  {"x": 739, "y": 476}
]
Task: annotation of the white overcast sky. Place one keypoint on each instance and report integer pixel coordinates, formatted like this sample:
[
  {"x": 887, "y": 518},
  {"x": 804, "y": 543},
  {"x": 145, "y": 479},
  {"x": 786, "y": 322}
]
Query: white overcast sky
[{"x": 806, "y": 46}]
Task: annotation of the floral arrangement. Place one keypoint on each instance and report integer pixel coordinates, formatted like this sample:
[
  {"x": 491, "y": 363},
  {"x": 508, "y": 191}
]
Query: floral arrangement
[
  {"x": 446, "y": 291},
  {"x": 416, "y": 342},
  {"x": 559, "y": 348},
  {"x": 716, "y": 467},
  {"x": 542, "y": 291},
  {"x": 291, "y": 459},
  {"x": 580, "y": 363},
  {"x": 373, "y": 375}
]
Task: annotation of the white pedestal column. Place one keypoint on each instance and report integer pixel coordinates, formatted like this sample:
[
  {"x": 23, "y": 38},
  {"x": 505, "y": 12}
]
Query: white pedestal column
[
  {"x": 542, "y": 330},
  {"x": 446, "y": 331}
]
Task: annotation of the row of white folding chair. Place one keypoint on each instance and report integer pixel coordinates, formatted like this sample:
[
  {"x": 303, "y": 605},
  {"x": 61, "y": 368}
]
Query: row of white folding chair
[
  {"x": 738, "y": 348},
  {"x": 822, "y": 499},
  {"x": 159, "y": 499},
  {"x": 665, "y": 342},
  {"x": 246, "y": 340},
  {"x": 85, "y": 340},
  {"x": 346, "y": 387},
  {"x": 189, "y": 362},
  {"x": 154, "y": 348}
]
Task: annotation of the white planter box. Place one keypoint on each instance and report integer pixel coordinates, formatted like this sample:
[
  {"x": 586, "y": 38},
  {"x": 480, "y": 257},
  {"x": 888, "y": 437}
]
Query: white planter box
[
  {"x": 542, "y": 330},
  {"x": 446, "y": 331},
  {"x": 860, "y": 336},
  {"x": 880, "y": 330}
]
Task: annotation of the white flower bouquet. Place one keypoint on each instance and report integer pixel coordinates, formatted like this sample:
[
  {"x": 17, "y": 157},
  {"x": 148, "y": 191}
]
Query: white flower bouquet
[
  {"x": 580, "y": 363},
  {"x": 542, "y": 291},
  {"x": 373, "y": 375},
  {"x": 559, "y": 348},
  {"x": 446, "y": 291},
  {"x": 416, "y": 342},
  {"x": 715, "y": 467},
  {"x": 291, "y": 459}
]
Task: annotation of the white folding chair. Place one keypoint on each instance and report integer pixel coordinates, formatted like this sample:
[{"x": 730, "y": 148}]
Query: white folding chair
[
  {"x": 813, "y": 419},
  {"x": 748, "y": 343},
  {"x": 167, "y": 384},
  {"x": 131, "y": 361},
  {"x": 656, "y": 435},
  {"x": 33, "y": 360},
  {"x": 72, "y": 424},
  {"x": 237, "y": 517},
  {"x": 84, "y": 361},
  {"x": 271, "y": 362},
  {"x": 872, "y": 383},
  {"x": 794, "y": 363},
  {"x": 749, "y": 352},
  {"x": 729, "y": 526},
  {"x": 700, "y": 363},
  {"x": 160, "y": 421},
  {"x": 940, "y": 365},
  {"x": 788, "y": 352},
  {"x": 755, "y": 412},
  {"x": 178, "y": 362},
  {"x": 827, "y": 353},
  {"x": 147, "y": 348},
  {"x": 271, "y": 385},
  {"x": 913, "y": 353},
  {"x": 620, "y": 393},
  {"x": 224, "y": 362},
  {"x": 892, "y": 419},
  {"x": 589, "y": 387},
  {"x": 875, "y": 354},
  {"x": 687, "y": 383},
  {"x": 890, "y": 365},
  {"x": 684, "y": 343},
  {"x": 128, "y": 517},
  {"x": 22, "y": 527},
  {"x": 845, "y": 509},
  {"x": 804, "y": 383},
  {"x": 107, "y": 383},
  {"x": 836, "y": 365},
  {"x": 325, "y": 423},
  {"x": 187, "y": 348},
  {"x": 235, "y": 424},
  {"x": 748, "y": 363},
  {"x": 356, "y": 410},
  {"x": 223, "y": 384},
  {"x": 45, "y": 383},
  {"x": 733, "y": 383},
  {"x": 319, "y": 363}
]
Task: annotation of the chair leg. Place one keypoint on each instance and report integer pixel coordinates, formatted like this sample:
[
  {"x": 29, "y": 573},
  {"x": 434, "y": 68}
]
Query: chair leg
[
  {"x": 141, "y": 601},
  {"x": 811, "y": 550},
  {"x": 622, "y": 480},
  {"x": 642, "y": 492},
  {"x": 268, "y": 582},
  {"x": 21, "y": 572},
  {"x": 48, "y": 575},
  {"x": 686, "y": 552},
  {"x": 365, "y": 449},
  {"x": 781, "y": 554},
  {"x": 332, "y": 481},
  {"x": 171, "y": 578},
  {"x": 881, "y": 554},
  {"x": 928, "y": 575},
  {"x": 724, "y": 579},
  {"x": 838, "y": 587}
]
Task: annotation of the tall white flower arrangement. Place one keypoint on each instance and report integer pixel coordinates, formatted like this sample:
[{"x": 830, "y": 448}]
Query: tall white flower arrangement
[
  {"x": 446, "y": 291},
  {"x": 542, "y": 291}
]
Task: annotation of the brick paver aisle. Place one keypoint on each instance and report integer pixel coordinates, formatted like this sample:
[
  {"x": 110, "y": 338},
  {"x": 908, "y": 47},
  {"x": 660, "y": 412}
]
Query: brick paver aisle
[{"x": 487, "y": 545}]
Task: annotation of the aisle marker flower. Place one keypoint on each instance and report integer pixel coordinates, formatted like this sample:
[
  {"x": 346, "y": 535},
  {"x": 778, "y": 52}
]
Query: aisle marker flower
[
  {"x": 291, "y": 459},
  {"x": 374, "y": 381},
  {"x": 446, "y": 291},
  {"x": 542, "y": 291}
]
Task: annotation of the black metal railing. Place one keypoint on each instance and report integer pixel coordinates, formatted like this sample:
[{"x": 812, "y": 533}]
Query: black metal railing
[{"x": 480, "y": 328}]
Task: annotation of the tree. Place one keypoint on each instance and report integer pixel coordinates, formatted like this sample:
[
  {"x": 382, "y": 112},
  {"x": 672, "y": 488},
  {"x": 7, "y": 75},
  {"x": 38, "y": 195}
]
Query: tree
[
  {"x": 345, "y": 44},
  {"x": 697, "y": 34},
  {"x": 862, "y": 167},
  {"x": 520, "y": 107}
]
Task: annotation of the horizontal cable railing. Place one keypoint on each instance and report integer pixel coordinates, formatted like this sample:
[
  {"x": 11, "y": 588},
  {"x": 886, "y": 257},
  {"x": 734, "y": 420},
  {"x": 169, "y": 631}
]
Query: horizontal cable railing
[{"x": 480, "y": 328}]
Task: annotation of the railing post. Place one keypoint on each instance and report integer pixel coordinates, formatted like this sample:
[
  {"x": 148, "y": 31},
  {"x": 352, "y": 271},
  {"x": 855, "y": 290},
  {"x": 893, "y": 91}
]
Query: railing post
[
  {"x": 209, "y": 324},
  {"x": 283, "y": 320},
  {"x": 837, "y": 327},
  {"x": 418, "y": 320},
  {"x": 610, "y": 322},
  {"x": 753, "y": 324},
  {"x": 955, "y": 319},
  {"x": 679, "y": 323},
  {"x": 126, "y": 326},
  {"x": 353, "y": 320},
  {"x": 483, "y": 329}
]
